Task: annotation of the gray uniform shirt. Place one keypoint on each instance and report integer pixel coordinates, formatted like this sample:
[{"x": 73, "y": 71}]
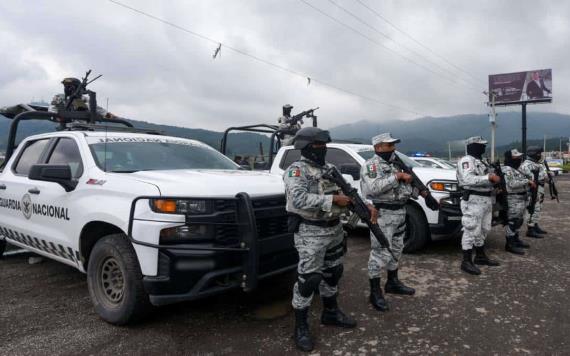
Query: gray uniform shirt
[
  {"x": 308, "y": 194},
  {"x": 379, "y": 184},
  {"x": 58, "y": 103},
  {"x": 528, "y": 166},
  {"x": 515, "y": 180},
  {"x": 473, "y": 174}
]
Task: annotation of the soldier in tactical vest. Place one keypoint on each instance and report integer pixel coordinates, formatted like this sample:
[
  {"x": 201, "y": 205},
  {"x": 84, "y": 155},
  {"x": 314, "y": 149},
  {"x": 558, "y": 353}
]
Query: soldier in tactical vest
[
  {"x": 529, "y": 167},
  {"x": 477, "y": 183},
  {"x": 389, "y": 189},
  {"x": 70, "y": 86},
  {"x": 315, "y": 205},
  {"x": 287, "y": 127},
  {"x": 517, "y": 185}
]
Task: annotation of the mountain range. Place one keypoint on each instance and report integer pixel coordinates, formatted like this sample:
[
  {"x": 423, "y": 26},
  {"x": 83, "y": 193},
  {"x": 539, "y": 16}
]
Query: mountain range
[{"x": 428, "y": 134}]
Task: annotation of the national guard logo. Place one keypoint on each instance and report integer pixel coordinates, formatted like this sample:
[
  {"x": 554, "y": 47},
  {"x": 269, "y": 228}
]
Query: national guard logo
[
  {"x": 294, "y": 172},
  {"x": 465, "y": 165},
  {"x": 27, "y": 206},
  {"x": 372, "y": 170}
]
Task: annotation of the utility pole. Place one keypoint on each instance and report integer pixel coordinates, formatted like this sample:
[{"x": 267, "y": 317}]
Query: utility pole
[{"x": 544, "y": 145}]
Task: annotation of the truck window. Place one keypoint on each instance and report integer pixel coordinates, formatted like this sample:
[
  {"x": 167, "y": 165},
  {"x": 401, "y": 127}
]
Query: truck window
[
  {"x": 30, "y": 156},
  {"x": 289, "y": 157},
  {"x": 67, "y": 152}
]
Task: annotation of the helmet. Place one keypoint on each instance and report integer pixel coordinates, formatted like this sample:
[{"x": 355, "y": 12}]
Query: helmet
[
  {"x": 308, "y": 135},
  {"x": 70, "y": 85},
  {"x": 287, "y": 110},
  {"x": 71, "y": 81},
  {"x": 534, "y": 152}
]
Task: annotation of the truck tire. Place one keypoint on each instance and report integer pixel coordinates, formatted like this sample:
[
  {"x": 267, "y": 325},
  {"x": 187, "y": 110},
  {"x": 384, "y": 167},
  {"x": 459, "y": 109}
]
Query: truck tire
[
  {"x": 115, "y": 281},
  {"x": 417, "y": 229}
]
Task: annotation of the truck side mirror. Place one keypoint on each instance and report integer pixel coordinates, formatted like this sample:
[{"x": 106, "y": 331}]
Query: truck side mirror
[
  {"x": 351, "y": 169},
  {"x": 60, "y": 174}
]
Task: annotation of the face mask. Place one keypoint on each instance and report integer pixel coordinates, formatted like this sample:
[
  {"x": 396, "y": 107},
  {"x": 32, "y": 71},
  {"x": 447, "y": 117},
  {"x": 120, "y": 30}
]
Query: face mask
[
  {"x": 516, "y": 163},
  {"x": 69, "y": 90},
  {"x": 476, "y": 150},
  {"x": 386, "y": 156},
  {"x": 315, "y": 154}
]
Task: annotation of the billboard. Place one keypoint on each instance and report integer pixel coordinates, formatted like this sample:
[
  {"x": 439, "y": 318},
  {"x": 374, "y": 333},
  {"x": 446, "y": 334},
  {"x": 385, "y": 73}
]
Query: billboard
[{"x": 521, "y": 87}]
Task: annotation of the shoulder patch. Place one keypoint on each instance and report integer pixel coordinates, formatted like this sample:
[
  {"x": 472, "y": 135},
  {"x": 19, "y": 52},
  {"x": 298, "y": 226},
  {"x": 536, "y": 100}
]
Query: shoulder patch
[
  {"x": 372, "y": 170},
  {"x": 294, "y": 172},
  {"x": 465, "y": 165}
]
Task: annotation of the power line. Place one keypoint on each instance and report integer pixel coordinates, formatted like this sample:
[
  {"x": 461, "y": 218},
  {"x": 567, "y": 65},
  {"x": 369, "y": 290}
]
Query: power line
[
  {"x": 264, "y": 61},
  {"x": 359, "y": 19},
  {"x": 382, "y": 45},
  {"x": 416, "y": 41}
]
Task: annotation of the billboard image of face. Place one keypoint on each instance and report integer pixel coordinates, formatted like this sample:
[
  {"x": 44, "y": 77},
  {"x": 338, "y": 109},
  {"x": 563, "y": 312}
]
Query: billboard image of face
[{"x": 521, "y": 87}]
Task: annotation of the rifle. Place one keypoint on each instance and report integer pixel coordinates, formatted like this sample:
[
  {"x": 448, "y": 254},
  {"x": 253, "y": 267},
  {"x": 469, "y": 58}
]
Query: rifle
[
  {"x": 81, "y": 89},
  {"x": 358, "y": 207},
  {"x": 431, "y": 202},
  {"x": 502, "y": 195},
  {"x": 551, "y": 186},
  {"x": 299, "y": 117},
  {"x": 533, "y": 193}
]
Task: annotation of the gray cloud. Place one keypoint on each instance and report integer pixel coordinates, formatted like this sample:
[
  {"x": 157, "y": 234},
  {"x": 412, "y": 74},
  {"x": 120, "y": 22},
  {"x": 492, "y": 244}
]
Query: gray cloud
[{"x": 156, "y": 73}]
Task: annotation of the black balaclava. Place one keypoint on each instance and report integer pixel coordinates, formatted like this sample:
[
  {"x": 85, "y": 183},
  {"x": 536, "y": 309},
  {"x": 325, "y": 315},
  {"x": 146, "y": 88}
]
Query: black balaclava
[
  {"x": 287, "y": 110},
  {"x": 534, "y": 154},
  {"x": 386, "y": 156},
  {"x": 511, "y": 161},
  {"x": 476, "y": 150},
  {"x": 69, "y": 90},
  {"x": 315, "y": 154}
]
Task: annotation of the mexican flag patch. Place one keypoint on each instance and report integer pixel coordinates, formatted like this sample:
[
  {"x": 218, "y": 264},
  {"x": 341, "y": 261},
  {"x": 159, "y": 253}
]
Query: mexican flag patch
[
  {"x": 294, "y": 172},
  {"x": 372, "y": 171}
]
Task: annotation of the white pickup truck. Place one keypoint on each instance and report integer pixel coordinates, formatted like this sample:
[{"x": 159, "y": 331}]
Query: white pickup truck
[
  {"x": 150, "y": 219},
  {"x": 423, "y": 223}
]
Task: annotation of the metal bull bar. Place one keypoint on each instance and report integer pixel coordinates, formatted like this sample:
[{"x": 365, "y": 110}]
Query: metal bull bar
[{"x": 244, "y": 220}]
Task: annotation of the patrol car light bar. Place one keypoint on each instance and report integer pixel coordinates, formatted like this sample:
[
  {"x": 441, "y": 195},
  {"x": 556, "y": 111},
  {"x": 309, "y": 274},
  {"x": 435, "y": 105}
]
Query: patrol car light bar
[{"x": 179, "y": 206}]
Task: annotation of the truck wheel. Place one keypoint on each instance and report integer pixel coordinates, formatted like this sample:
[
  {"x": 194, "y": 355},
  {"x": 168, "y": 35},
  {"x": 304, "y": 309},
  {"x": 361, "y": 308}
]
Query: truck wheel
[
  {"x": 115, "y": 282},
  {"x": 417, "y": 229}
]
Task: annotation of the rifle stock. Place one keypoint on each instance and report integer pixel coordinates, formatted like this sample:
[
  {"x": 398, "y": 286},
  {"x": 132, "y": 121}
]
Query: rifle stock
[
  {"x": 551, "y": 185},
  {"x": 431, "y": 202}
]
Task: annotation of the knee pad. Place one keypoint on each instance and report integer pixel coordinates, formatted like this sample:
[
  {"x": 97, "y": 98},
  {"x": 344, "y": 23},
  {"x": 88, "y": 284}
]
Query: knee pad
[
  {"x": 332, "y": 275},
  {"x": 308, "y": 283}
]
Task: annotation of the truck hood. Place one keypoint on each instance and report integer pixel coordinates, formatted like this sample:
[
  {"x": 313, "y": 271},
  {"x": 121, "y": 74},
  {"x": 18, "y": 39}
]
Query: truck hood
[
  {"x": 211, "y": 183},
  {"x": 428, "y": 174}
]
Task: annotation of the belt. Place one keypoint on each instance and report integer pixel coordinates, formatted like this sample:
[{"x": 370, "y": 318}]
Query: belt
[
  {"x": 476, "y": 192},
  {"x": 521, "y": 193},
  {"x": 327, "y": 223},
  {"x": 389, "y": 206}
]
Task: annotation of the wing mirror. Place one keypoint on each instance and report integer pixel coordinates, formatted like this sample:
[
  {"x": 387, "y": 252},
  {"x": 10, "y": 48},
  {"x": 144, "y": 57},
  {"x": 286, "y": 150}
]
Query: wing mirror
[{"x": 60, "y": 174}]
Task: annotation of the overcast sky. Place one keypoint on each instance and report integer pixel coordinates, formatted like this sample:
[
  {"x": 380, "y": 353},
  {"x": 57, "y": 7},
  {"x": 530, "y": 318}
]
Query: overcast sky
[{"x": 158, "y": 73}]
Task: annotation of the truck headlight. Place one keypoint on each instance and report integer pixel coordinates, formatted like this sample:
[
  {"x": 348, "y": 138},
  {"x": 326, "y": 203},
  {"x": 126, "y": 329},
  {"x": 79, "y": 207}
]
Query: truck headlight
[
  {"x": 443, "y": 186},
  {"x": 179, "y": 206}
]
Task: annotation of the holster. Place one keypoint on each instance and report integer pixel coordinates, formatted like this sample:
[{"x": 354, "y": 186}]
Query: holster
[
  {"x": 465, "y": 194},
  {"x": 293, "y": 222}
]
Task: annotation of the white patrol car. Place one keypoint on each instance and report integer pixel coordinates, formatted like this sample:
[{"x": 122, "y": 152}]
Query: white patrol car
[
  {"x": 151, "y": 219},
  {"x": 423, "y": 223}
]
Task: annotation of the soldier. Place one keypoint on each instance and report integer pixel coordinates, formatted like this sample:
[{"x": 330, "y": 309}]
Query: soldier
[
  {"x": 477, "y": 183},
  {"x": 389, "y": 189},
  {"x": 529, "y": 167},
  {"x": 314, "y": 205},
  {"x": 517, "y": 185},
  {"x": 70, "y": 86},
  {"x": 287, "y": 127}
]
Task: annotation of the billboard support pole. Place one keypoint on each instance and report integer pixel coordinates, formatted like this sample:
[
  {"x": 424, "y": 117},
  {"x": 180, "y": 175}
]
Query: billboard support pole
[
  {"x": 493, "y": 126},
  {"x": 524, "y": 130}
]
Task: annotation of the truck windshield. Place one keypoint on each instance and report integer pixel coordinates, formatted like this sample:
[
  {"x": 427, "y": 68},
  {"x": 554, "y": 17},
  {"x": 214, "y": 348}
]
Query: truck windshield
[
  {"x": 128, "y": 157},
  {"x": 407, "y": 160}
]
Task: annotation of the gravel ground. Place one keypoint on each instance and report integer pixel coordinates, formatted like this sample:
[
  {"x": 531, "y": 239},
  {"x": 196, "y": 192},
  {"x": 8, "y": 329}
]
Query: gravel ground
[{"x": 521, "y": 307}]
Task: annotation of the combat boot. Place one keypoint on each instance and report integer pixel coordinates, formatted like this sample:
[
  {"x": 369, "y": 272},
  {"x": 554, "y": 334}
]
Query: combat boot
[
  {"x": 481, "y": 258},
  {"x": 303, "y": 339},
  {"x": 540, "y": 230},
  {"x": 520, "y": 243},
  {"x": 332, "y": 315},
  {"x": 376, "y": 296},
  {"x": 531, "y": 232},
  {"x": 395, "y": 286},
  {"x": 467, "y": 263},
  {"x": 511, "y": 246}
]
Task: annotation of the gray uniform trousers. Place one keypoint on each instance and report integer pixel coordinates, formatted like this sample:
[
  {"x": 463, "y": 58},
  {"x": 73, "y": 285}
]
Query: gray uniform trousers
[
  {"x": 515, "y": 215},
  {"x": 476, "y": 220},
  {"x": 532, "y": 219},
  {"x": 393, "y": 225},
  {"x": 320, "y": 249}
]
